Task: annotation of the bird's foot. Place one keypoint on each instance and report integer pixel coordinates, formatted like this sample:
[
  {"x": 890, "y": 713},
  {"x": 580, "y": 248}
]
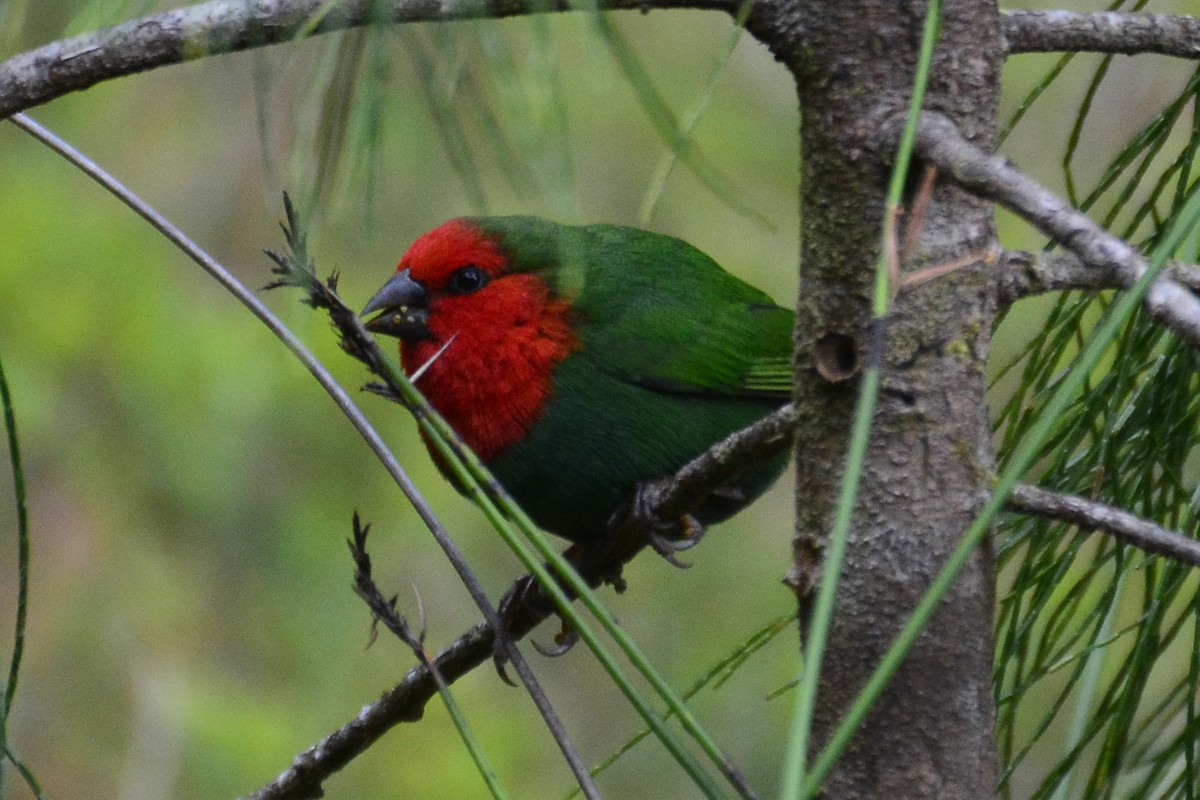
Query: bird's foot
[
  {"x": 665, "y": 538},
  {"x": 526, "y": 597},
  {"x": 668, "y": 547}
]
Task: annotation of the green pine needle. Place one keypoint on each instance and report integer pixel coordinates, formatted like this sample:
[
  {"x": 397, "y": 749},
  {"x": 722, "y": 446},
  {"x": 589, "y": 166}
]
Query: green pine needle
[
  {"x": 1112, "y": 619},
  {"x": 23, "y": 570}
]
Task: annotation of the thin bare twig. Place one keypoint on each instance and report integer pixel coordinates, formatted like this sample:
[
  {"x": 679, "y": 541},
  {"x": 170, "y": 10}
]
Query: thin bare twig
[
  {"x": 1025, "y": 499},
  {"x": 1118, "y": 523},
  {"x": 1021, "y": 274},
  {"x": 916, "y": 214},
  {"x": 1131, "y": 33},
  {"x": 926, "y": 274},
  {"x": 993, "y": 177}
]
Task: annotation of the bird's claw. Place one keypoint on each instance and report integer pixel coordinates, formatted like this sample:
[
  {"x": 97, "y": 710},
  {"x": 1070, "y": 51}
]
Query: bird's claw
[
  {"x": 523, "y": 592},
  {"x": 667, "y": 548},
  {"x": 564, "y": 640},
  {"x": 654, "y": 528},
  {"x": 500, "y": 655},
  {"x": 693, "y": 532},
  {"x": 505, "y": 615}
]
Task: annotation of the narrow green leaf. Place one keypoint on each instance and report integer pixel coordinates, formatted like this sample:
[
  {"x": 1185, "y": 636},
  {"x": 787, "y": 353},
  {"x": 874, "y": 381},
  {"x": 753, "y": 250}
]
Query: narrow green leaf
[
  {"x": 23, "y": 570},
  {"x": 712, "y": 678},
  {"x": 666, "y": 165},
  {"x": 664, "y": 120}
]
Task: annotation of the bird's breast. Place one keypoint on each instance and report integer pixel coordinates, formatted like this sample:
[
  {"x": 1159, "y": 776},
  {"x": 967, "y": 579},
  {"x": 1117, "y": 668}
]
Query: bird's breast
[{"x": 493, "y": 383}]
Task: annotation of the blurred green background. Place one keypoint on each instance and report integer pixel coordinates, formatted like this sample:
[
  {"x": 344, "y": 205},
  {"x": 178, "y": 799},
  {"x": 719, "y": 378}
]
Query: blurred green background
[{"x": 192, "y": 625}]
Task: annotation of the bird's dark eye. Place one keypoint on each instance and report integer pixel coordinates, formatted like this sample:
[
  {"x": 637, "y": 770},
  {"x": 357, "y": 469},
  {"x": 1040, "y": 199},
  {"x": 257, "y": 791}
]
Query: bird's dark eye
[{"x": 465, "y": 280}]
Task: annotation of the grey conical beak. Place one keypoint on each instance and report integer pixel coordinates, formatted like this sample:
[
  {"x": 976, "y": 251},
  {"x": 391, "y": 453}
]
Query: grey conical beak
[{"x": 401, "y": 306}]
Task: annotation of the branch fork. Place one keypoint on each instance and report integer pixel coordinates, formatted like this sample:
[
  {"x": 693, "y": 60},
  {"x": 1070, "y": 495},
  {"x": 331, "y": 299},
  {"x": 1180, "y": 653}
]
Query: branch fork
[{"x": 1113, "y": 259}]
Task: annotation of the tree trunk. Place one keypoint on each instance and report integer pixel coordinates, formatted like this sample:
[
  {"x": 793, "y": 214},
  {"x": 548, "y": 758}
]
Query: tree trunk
[{"x": 931, "y": 735}]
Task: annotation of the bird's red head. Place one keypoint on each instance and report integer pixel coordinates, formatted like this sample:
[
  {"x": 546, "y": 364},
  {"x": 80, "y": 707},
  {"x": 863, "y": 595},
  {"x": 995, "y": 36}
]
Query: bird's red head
[
  {"x": 435, "y": 258},
  {"x": 486, "y": 340}
]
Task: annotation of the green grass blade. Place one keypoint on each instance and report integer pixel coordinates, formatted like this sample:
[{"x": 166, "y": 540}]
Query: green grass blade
[
  {"x": 835, "y": 553},
  {"x": 25, "y": 773},
  {"x": 1034, "y": 94},
  {"x": 1051, "y": 76},
  {"x": 713, "y": 678},
  {"x": 666, "y": 165},
  {"x": 478, "y": 756},
  {"x": 23, "y": 568},
  {"x": 664, "y": 121},
  {"x": 1130, "y": 439},
  {"x": 1077, "y": 129},
  {"x": 440, "y": 79},
  {"x": 14, "y": 456}
]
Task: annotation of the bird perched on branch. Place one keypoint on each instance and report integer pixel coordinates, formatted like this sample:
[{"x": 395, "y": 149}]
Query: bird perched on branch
[{"x": 579, "y": 362}]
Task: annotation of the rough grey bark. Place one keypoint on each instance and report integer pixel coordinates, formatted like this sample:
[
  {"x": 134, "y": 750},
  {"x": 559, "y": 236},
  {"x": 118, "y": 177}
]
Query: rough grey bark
[
  {"x": 1102, "y": 32},
  {"x": 932, "y": 733},
  {"x": 1019, "y": 274}
]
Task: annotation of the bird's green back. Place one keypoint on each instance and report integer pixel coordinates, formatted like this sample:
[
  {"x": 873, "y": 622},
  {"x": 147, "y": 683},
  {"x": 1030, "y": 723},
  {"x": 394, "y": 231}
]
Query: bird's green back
[{"x": 655, "y": 311}]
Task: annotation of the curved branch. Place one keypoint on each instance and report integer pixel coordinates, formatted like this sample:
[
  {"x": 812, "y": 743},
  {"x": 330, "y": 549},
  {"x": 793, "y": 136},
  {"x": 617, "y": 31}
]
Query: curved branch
[
  {"x": 1130, "y": 33},
  {"x": 1019, "y": 274},
  {"x": 990, "y": 176},
  {"x": 406, "y": 701},
  {"x": 1118, "y": 523},
  {"x": 343, "y": 401},
  {"x": 228, "y": 26}
]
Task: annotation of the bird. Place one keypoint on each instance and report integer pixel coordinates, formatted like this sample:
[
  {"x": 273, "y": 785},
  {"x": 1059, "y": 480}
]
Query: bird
[{"x": 579, "y": 362}]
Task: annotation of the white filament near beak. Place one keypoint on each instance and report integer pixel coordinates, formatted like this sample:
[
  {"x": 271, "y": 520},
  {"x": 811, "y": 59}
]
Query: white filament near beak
[{"x": 416, "y": 376}]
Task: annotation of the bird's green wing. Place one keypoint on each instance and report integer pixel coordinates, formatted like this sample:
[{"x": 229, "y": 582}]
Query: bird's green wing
[{"x": 656, "y": 311}]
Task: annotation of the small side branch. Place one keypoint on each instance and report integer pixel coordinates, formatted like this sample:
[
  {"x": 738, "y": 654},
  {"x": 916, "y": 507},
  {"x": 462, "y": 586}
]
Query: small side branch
[
  {"x": 990, "y": 176},
  {"x": 383, "y": 609},
  {"x": 1019, "y": 274},
  {"x": 1116, "y": 522},
  {"x": 1130, "y": 33}
]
